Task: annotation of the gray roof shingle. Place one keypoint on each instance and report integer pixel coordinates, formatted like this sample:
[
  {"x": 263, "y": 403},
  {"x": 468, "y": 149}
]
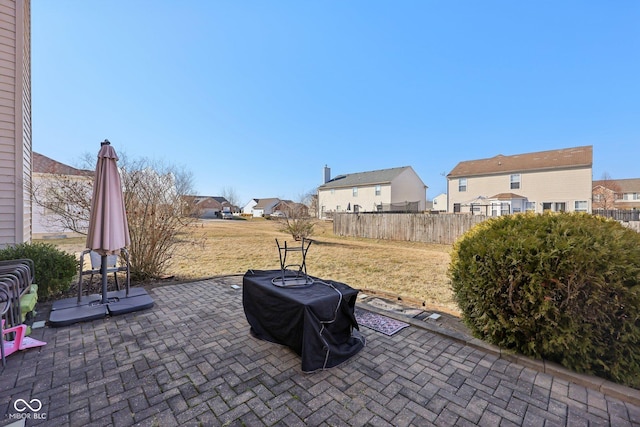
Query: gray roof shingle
[{"x": 382, "y": 176}]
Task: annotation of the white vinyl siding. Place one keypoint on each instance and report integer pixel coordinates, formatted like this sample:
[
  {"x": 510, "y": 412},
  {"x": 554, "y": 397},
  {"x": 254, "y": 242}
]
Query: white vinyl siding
[{"x": 15, "y": 122}]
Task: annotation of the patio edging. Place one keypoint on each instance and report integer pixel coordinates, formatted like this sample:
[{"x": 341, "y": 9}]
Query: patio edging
[{"x": 604, "y": 386}]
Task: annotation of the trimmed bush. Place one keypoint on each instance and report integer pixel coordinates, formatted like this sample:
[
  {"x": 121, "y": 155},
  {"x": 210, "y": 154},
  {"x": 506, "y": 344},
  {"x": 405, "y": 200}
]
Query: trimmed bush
[
  {"x": 55, "y": 269},
  {"x": 563, "y": 287}
]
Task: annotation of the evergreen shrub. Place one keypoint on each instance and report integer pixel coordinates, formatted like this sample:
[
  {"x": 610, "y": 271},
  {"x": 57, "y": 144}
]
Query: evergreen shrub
[
  {"x": 562, "y": 287},
  {"x": 54, "y": 269}
]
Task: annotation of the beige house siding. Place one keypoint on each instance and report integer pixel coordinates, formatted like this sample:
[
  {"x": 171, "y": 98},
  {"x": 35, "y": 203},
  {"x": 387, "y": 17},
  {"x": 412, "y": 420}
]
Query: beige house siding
[
  {"x": 339, "y": 199},
  {"x": 562, "y": 186},
  {"x": 15, "y": 121},
  {"x": 357, "y": 192},
  {"x": 440, "y": 202},
  {"x": 409, "y": 188}
]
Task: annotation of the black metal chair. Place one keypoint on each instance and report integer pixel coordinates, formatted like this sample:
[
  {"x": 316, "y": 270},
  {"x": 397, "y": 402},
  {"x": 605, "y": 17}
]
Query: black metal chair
[
  {"x": 298, "y": 276},
  {"x": 18, "y": 275}
]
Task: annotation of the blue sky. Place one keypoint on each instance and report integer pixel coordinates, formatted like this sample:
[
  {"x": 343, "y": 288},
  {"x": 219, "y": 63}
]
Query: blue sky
[{"x": 257, "y": 96}]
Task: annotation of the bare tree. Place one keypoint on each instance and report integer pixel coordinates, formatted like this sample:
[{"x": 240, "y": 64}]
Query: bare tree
[
  {"x": 230, "y": 194},
  {"x": 296, "y": 220},
  {"x": 605, "y": 192},
  {"x": 310, "y": 198},
  {"x": 157, "y": 209},
  {"x": 66, "y": 200}
]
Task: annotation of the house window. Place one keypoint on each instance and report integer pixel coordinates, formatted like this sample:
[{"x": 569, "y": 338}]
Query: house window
[
  {"x": 338, "y": 208},
  {"x": 631, "y": 196},
  {"x": 530, "y": 206},
  {"x": 355, "y": 191},
  {"x": 515, "y": 181},
  {"x": 456, "y": 207},
  {"x": 462, "y": 184},
  {"x": 378, "y": 190},
  {"x": 546, "y": 206},
  {"x": 561, "y": 207},
  {"x": 500, "y": 208},
  {"x": 580, "y": 205}
]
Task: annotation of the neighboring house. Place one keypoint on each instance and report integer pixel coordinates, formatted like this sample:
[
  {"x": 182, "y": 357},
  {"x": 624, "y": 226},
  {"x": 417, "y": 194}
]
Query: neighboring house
[
  {"x": 439, "y": 203},
  {"x": 555, "y": 180},
  {"x": 248, "y": 208},
  {"x": 228, "y": 207},
  {"x": 205, "y": 206},
  {"x": 386, "y": 190},
  {"x": 15, "y": 126},
  {"x": 208, "y": 207},
  {"x": 264, "y": 207},
  {"x": 616, "y": 194},
  {"x": 49, "y": 174},
  {"x": 290, "y": 208}
]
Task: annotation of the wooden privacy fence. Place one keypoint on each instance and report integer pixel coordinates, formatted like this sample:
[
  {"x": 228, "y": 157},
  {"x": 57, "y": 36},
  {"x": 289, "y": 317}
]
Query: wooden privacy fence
[{"x": 415, "y": 227}]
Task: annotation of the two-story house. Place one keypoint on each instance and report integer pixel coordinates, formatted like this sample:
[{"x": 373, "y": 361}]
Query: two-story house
[
  {"x": 387, "y": 190},
  {"x": 554, "y": 180},
  {"x": 616, "y": 194},
  {"x": 439, "y": 203}
]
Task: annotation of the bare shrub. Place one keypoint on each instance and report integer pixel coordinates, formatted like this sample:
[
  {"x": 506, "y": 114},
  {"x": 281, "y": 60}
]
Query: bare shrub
[{"x": 157, "y": 210}]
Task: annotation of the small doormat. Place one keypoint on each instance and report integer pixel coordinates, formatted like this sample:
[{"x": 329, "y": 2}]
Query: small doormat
[{"x": 377, "y": 322}]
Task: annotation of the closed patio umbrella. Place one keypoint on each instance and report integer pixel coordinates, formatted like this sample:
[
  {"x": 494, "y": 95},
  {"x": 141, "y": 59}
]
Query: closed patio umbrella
[{"x": 108, "y": 228}]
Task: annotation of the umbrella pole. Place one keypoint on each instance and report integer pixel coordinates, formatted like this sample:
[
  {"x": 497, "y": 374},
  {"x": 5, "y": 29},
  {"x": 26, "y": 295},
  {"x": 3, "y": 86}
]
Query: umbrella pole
[{"x": 103, "y": 273}]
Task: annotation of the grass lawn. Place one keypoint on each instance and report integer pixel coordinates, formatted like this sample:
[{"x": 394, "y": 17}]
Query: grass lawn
[{"x": 412, "y": 271}]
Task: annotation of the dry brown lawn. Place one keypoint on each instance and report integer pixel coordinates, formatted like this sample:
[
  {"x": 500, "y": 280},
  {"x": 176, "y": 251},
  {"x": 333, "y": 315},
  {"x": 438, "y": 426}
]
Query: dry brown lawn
[{"x": 412, "y": 271}]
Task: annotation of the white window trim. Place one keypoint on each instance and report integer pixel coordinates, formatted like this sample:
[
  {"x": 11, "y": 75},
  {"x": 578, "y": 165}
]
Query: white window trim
[{"x": 513, "y": 181}]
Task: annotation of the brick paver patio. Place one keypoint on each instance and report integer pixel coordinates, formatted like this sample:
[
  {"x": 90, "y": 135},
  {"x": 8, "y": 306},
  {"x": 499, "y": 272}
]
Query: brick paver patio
[{"x": 191, "y": 361}]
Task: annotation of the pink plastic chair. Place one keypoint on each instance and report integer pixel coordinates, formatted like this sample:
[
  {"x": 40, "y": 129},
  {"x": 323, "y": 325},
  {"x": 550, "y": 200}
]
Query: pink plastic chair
[{"x": 20, "y": 341}]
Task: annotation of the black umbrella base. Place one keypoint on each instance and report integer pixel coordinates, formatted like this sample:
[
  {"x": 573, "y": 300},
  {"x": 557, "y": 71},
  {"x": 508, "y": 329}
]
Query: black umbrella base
[{"x": 68, "y": 311}]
